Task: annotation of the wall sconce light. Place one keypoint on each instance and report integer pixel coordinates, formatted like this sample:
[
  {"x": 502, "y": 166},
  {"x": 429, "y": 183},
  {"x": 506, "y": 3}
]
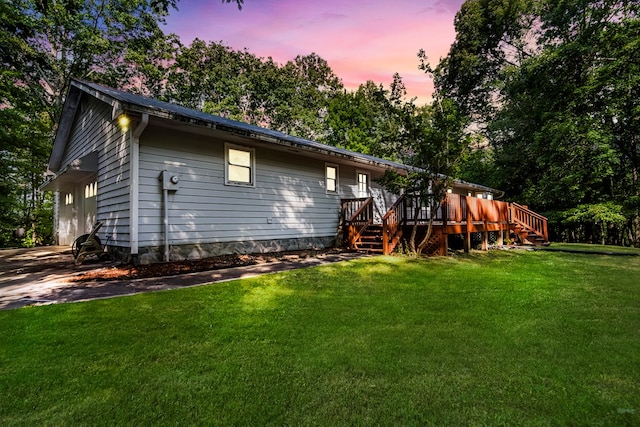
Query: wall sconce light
[{"x": 124, "y": 122}]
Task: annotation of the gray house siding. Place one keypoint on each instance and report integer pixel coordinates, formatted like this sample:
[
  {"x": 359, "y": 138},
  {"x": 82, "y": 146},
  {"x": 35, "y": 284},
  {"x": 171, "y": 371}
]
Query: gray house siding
[
  {"x": 288, "y": 208},
  {"x": 94, "y": 131}
]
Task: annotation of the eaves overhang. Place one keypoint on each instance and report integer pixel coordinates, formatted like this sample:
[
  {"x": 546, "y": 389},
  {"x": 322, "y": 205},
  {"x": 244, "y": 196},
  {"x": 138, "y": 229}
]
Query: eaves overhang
[
  {"x": 64, "y": 128},
  {"x": 128, "y": 103},
  {"x": 77, "y": 171},
  {"x": 123, "y": 102}
]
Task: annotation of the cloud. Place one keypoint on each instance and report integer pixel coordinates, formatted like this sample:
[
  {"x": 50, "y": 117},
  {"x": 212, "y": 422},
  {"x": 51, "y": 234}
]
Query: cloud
[{"x": 360, "y": 42}]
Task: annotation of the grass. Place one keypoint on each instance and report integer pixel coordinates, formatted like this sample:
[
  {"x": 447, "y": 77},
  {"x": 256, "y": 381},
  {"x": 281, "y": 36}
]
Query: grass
[
  {"x": 499, "y": 338},
  {"x": 584, "y": 247}
]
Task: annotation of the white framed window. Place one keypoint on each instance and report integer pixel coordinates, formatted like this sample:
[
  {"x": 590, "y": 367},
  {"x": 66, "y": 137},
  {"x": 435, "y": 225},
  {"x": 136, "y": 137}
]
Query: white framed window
[
  {"x": 68, "y": 199},
  {"x": 240, "y": 165},
  {"x": 331, "y": 178},
  {"x": 362, "y": 179}
]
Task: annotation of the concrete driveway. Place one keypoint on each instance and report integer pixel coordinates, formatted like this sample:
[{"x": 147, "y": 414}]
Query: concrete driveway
[
  {"x": 42, "y": 276},
  {"x": 29, "y": 275}
]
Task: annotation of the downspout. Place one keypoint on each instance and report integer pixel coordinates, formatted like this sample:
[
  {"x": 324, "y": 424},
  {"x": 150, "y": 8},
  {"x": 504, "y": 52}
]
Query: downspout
[
  {"x": 165, "y": 196},
  {"x": 134, "y": 177}
]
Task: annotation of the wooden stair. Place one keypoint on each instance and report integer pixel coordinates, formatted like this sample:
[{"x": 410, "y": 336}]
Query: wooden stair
[
  {"x": 528, "y": 227},
  {"x": 370, "y": 240},
  {"x": 458, "y": 215},
  {"x": 528, "y": 236}
]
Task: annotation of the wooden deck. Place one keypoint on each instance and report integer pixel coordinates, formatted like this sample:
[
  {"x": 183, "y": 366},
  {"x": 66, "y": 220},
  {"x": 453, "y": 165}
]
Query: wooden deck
[{"x": 457, "y": 215}]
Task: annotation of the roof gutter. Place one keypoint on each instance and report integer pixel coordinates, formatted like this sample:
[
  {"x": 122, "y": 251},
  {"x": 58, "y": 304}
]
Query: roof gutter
[{"x": 254, "y": 134}]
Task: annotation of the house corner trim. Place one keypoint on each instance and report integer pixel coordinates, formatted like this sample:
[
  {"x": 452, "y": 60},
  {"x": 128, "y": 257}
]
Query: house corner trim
[{"x": 135, "y": 183}]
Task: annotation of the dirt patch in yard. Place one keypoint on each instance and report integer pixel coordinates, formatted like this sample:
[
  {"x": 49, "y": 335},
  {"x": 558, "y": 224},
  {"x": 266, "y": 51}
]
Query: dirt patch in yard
[{"x": 128, "y": 271}]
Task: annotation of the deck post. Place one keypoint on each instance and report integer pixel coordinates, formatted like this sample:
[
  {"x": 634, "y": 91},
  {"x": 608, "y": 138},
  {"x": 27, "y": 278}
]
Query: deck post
[
  {"x": 467, "y": 234},
  {"x": 444, "y": 246},
  {"x": 501, "y": 222},
  {"x": 385, "y": 238},
  {"x": 485, "y": 235}
]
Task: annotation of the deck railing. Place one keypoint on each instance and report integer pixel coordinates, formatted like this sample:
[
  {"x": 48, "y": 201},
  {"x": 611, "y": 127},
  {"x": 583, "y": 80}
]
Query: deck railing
[
  {"x": 533, "y": 221},
  {"x": 459, "y": 209},
  {"x": 358, "y": 216},
  {"x": 457, "y": 214},
  {"x": 487, "y": 211},
  {"x": 392, "y": 223},
  {"x": 416, "y": 209}
]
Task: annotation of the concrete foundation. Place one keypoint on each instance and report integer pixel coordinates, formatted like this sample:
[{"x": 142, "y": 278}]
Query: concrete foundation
[{"x": 149, "y": 255}]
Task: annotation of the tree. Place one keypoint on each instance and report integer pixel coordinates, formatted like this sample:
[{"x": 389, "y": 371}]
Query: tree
[
  {"x": 24, "y": 142},
  {"x": 299, "y": 106},
  {"x": 434, "y": 142},
  {"x": 553, "y": 86},
  {"x": 370, "y": 120},
  {"x": 438, "y": 146},
  {"x": 43, "y": 44},
  {"x": 214, "y": 78},
  {"x": 490, "y": 35}
]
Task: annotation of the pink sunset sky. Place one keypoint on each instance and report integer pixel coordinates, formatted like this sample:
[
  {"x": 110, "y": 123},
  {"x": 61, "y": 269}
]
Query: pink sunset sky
[{"x": 361, "y": 40}]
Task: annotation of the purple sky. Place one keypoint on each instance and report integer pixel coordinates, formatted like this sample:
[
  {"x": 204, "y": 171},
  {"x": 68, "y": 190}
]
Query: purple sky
[{"x": 361, "y": 40}]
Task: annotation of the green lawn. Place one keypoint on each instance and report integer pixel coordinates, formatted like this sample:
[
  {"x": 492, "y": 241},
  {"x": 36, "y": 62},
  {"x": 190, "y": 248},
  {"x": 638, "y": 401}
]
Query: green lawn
[
  {"x": 499, "y": 338},
  {"x": 583, "y": 247}
]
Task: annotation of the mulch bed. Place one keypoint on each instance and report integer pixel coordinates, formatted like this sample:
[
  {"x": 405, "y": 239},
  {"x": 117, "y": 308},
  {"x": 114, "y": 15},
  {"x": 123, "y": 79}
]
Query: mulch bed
[{"x": 129, "y": 271}]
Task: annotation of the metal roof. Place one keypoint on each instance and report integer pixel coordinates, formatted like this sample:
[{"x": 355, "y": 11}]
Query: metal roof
[
  {"x": 131, "y": 102},
  {"x": 155, "y": 107}
]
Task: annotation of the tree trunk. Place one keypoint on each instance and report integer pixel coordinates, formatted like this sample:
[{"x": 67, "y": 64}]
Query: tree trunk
[
  {"x": 414, "y": 232},
  {"x": 423, "y": 243},
  {"x": 433, "y": 207}
]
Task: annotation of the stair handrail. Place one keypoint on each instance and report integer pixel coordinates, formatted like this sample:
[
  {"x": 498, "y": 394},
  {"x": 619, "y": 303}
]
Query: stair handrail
[
  {"x": 359, "y": 221},
  {"x": 368, "y": 203},
  {"x": 533, "y": 220},
  {"x": 391, "y": 221}
]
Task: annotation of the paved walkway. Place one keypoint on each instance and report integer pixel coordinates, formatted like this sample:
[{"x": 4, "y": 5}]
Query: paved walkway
[{"x": 41, "y": 276}]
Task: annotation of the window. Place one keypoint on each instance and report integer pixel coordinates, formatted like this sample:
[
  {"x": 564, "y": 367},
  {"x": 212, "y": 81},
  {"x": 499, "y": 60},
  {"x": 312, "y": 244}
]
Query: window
[
  {"x": 68, "y": 199},
  {"x": 240, "y": 163},
  {"x": 90, "y": 190},
  {"x": 363, "y": 183},
  {"x": 331, "y": 178}
]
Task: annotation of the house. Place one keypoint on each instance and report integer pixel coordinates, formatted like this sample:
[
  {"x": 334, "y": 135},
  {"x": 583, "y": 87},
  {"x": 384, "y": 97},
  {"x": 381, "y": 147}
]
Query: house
[{"x": 171, "y": 183}]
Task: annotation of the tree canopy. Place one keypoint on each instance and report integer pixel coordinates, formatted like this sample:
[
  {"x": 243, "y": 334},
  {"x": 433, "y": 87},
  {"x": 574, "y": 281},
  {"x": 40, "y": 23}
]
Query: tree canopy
[
  {"x": 554, "y": 88},
  {"x": 42, "y": 45},
  {"x": 540, "y": 99},
  {"x": 121, "y": 44}
]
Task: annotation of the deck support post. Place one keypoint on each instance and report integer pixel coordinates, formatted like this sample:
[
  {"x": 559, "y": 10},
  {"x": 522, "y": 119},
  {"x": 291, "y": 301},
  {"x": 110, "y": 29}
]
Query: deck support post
[
  {"x": 385, "y": 238},
  {"x": 485, "y": 236},
  {"x": 467, "y": 234},
  {"x": 443, "y": 244},
  {"x": 444, "y": 241}
]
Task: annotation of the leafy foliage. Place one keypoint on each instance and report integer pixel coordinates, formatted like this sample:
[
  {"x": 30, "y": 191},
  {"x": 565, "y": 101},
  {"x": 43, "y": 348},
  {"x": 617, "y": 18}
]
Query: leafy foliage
[
  {"x": 437, "y": 144},
  {"x": 554, "y": 87},
  {"x": 44, "y": 44},
  {"x": 371, "y": 120}
]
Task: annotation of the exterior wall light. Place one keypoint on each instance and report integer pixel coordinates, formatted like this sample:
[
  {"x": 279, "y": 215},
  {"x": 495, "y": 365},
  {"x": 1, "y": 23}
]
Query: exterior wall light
[{"x": 124, "y": 122}]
